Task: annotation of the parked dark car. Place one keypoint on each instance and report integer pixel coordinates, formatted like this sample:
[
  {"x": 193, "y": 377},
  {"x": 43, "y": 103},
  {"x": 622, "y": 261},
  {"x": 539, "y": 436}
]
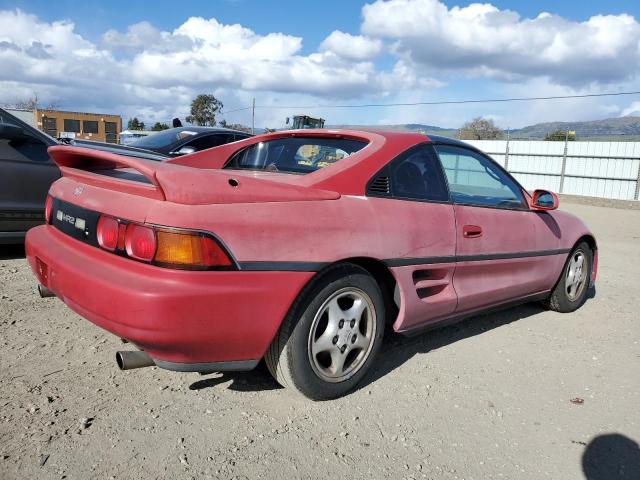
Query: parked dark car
[
  {"x": 184, "y": 140},
  {"x": 26, "y": 172}
]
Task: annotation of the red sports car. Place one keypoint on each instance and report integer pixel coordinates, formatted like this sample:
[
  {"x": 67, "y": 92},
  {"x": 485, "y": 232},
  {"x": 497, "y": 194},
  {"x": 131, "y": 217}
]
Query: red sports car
[{"x": 299, "y": 247}]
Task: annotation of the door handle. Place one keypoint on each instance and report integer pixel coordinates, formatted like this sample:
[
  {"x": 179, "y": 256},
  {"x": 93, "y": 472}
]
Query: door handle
[{"x": 471, "y": 231}]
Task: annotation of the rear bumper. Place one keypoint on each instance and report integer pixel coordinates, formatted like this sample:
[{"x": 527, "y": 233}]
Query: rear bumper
[{"x": 185, "y": 320}]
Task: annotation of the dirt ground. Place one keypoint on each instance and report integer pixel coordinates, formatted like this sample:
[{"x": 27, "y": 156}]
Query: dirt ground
[{"x": 487, "y": 398}]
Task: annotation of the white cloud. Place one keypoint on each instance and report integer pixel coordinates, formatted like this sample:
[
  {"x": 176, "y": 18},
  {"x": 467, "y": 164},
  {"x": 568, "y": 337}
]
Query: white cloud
[
  {"x": 353, "y": 47},
  {"x": 633, "y": 109},
  {"x": 144, "y": 67},
  {"x": 483, "y": 40},
  {"x": 406, "y": 50}
]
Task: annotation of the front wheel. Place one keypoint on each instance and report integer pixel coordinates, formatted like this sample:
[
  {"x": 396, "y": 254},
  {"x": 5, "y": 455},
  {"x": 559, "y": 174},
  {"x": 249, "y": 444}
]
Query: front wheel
[
  {"x": 331, "y": 335},
  {"x": 571, "y": 290}
]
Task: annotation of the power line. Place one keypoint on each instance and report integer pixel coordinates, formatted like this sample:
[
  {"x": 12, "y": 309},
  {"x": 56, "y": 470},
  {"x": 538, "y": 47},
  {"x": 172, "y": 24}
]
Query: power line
[
  {"x": 442, "y": 102},
  {"x": 223, "y": 112}
]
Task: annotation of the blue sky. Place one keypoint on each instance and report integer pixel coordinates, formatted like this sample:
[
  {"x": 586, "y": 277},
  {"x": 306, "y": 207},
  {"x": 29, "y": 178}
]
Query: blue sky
[{"x": 288, "y": 53}]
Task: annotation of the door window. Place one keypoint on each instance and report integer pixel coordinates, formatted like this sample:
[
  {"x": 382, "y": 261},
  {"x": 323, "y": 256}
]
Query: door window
[
  {"x": 49, "y": 126},
  {"x": 30, "y": 148},
  {"x": 111, "y": 132},
  {"x": 476, "y": 180},
  {"x": 416, "y": 175}
]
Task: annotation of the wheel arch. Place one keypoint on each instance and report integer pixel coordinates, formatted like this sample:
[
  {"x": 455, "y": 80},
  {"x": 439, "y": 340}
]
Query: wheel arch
[
  {"x": 590, "y": 239},
  {"x": 381, "y": 274}
]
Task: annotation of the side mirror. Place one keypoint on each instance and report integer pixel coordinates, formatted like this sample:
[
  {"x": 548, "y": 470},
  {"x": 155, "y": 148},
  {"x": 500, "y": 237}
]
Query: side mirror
[
  {"x": 544, "y": 200},
  {"x": 183, "y": 151},
  {"x": 12, "y": 132}
]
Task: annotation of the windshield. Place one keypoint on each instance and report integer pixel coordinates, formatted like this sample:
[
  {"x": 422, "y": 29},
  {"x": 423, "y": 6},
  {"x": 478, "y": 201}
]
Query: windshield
[
  {"x": 163, "y": 138},
  {"x": 294, "y": 155}
]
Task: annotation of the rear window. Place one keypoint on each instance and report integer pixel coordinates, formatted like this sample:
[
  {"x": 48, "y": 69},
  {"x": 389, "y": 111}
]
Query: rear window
[
  {"x": 294, "y": 154},
  {"x": 164, "y": 138}
]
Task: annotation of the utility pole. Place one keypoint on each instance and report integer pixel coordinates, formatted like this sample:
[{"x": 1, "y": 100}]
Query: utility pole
[
  {"x": 506, "y": 153},
  {"x": 564, "y": 162},
  {"x": 253, "y": 117}
]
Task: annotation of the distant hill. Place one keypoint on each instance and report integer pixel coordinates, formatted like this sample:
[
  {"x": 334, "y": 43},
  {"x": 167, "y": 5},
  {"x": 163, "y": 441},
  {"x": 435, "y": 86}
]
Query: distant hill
[
  {"x": 610, "y": 127},
  {"x": 620, "y": 128},
  {"x": 406, "y": 127}
]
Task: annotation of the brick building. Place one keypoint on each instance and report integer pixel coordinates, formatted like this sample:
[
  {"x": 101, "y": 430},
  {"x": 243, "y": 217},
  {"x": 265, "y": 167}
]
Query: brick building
[{"x": 87, "y": 126}]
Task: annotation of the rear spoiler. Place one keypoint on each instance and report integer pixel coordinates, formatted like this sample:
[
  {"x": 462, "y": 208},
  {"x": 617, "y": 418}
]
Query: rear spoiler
[
  {"x": 188, "y": 185},
  {"x": 84, "y": 164}
]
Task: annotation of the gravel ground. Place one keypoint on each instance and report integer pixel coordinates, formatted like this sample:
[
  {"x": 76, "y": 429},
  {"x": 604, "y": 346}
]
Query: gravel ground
[{"x": 487, "y": 398}]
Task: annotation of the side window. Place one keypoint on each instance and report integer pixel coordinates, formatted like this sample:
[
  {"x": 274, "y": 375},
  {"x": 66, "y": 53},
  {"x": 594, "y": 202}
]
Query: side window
[
  {"x": 475, "y": 180},
  {"x": 209, "y": 141},
  {"x": 416, "y": 175},
  {"x": 27, "y": 148}
]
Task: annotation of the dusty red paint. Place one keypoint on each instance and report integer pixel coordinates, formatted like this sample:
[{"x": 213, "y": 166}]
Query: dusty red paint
[{"x": 324, "y": 216}]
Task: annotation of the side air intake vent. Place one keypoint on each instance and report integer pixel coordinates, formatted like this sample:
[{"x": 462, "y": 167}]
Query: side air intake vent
[{"x": 380, "y": 185}]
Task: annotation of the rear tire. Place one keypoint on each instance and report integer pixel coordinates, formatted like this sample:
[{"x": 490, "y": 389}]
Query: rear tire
[
  {"x": 573, "y": 286},
  {"x": 331, "y": 334}
]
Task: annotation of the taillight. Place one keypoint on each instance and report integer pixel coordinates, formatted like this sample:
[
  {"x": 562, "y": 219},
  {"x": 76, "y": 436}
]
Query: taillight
[
  {"x": 107, "y": 232},
  {"x": 140, "y": 242},
  {"x": 177, "y": 248},
  {"x": 48, "y": 205},
  {"x": 189, "y": 249}
]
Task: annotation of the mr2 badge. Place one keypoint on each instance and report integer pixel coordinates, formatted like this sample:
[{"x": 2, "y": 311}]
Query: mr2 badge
[{"x": 77, "y": 222}]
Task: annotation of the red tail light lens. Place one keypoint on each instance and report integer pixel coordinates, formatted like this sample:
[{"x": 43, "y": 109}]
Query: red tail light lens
[
  {"x": 48, "y": 205},
  {"x": 107, "y": 232},
  {"x": 140, "y": 242}
]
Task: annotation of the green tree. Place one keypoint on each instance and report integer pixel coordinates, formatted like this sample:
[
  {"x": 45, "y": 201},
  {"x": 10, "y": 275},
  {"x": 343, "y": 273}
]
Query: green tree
[
  {"x": 204, "y": 109},
  {"x": 480, "y": 129},
  {"x": 560, "y": 136},
  {"x": 159, "y": 126},
  {"x": 135, "y": 124}
]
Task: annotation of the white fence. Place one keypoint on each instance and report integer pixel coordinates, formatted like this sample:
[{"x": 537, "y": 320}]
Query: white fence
[{"x": 593, "y": 169}]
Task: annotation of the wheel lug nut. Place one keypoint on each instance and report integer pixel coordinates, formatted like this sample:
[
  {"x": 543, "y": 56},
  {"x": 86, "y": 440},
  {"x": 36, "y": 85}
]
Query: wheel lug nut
[
  {"x": 343, "y": 348},
  {"x": 353, "y": 339},
  {"x": 341, "y": 324},
  {"x": 353, "y": 323},
  {"x": 335, "y": 339}
]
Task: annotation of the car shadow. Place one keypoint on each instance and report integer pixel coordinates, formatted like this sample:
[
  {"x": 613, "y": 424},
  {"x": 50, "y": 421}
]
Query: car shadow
[
  {"x": 258, "y": 379},
  {"x": 11, "y": 252},
  {"x": 611, "y": 456},
  {"x": 398, "y": 349}
]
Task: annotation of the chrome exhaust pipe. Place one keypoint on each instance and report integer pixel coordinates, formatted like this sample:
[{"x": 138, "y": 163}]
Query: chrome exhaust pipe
[
  {"x": 45, "y": 292},
  {"x": 130, "y": 359}
]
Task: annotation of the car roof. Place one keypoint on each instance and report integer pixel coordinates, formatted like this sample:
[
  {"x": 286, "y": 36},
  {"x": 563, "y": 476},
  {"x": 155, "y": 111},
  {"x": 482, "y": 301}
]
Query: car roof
[
  {"x": 448, "y": 140},
  {"x": 194, "y": 128}
]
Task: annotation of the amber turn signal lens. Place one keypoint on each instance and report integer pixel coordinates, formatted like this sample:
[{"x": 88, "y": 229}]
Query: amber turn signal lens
[{"x": 178, "y": 248}]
